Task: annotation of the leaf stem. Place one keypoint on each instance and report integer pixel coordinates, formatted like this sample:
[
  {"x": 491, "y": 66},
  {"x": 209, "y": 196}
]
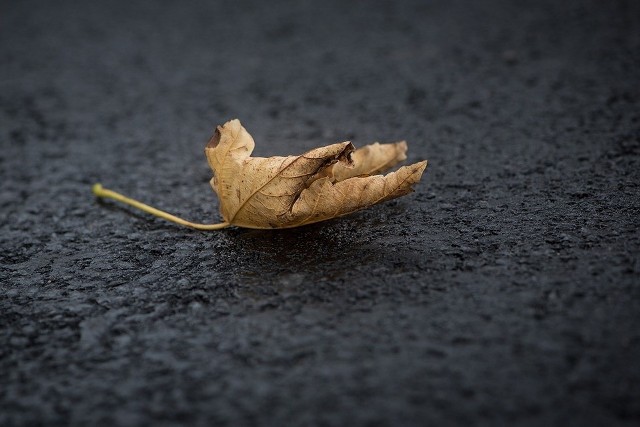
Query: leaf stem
[{"x": 102, "y": 192}]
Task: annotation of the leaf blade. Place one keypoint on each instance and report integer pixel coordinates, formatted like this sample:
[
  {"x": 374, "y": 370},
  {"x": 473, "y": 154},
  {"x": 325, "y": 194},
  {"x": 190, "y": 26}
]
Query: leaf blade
[{"x": 285, "y": 192}]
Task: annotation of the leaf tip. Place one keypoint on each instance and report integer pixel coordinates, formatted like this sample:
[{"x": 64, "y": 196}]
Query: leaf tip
[
  {"x": 416, "y": 170},
  {"x": 232, "y": 126},
  {"x": 215, "y": 139},
  {"x": 345, "y": 155}
]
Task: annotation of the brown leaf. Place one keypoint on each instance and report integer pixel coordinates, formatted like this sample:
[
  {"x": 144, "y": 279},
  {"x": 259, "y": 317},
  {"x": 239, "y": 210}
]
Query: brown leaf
[{"x": 283, "y": 192}]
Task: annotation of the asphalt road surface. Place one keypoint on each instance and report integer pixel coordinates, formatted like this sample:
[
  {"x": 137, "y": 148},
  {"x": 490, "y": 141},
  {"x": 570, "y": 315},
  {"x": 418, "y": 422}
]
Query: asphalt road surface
[{"x": 504, "y": 291}]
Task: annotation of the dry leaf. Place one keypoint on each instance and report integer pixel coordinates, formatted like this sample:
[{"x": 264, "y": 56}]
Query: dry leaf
[{"x": 283, "y": 192}]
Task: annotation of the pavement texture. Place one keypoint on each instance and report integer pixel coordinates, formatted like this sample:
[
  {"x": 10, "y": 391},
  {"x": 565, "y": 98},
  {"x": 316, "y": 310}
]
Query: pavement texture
[{"x": 504, "y": 291}]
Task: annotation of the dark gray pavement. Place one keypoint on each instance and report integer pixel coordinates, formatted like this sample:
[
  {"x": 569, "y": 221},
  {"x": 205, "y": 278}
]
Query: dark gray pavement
[{"x": 505, "y": 291}]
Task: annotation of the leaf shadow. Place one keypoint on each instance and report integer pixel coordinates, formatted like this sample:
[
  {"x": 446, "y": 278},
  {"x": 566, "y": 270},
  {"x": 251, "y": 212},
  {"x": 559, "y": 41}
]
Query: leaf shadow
[
  {"x": 328, "y": 250},
  {"x": 329, "y": 261}
]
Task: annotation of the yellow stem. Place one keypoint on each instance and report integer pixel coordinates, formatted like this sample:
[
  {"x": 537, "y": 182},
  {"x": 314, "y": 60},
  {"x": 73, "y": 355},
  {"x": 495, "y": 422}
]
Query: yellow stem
[{"x": 99, "y": 191}]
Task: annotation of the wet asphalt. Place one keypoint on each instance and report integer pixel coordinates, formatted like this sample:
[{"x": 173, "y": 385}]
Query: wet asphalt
[{"x": 504, "y": 291}]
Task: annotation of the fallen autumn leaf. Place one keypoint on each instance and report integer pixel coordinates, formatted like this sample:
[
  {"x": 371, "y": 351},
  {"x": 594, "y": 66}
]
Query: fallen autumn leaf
[{"x": 285, "y": 192}]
